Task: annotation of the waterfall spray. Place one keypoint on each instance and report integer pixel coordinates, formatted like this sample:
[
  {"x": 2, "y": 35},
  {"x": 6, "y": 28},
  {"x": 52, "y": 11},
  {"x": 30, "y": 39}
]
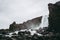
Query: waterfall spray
[{"x": 44, "y": 22}]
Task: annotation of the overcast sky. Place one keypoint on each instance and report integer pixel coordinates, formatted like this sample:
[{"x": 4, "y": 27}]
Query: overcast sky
[{"x": 21, "y": 10}]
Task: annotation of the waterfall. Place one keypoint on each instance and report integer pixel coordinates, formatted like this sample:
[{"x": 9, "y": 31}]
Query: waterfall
[{"x": 44, "y": 22}]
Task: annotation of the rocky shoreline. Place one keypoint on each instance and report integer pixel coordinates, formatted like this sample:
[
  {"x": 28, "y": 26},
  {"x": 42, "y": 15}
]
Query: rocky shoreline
[{"x": 26, "y": 35}]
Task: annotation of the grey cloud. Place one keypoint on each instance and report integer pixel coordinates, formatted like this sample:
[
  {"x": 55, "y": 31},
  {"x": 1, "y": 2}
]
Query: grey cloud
[{"x": 21, "y": 10}]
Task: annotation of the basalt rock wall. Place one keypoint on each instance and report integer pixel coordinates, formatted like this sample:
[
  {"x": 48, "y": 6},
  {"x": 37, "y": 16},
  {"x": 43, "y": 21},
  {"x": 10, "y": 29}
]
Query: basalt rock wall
[{"x": 54, "y": 17}]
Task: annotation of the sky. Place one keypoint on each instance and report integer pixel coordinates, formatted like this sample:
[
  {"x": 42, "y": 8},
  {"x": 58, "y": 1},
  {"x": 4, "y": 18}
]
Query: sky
[{"x": 22, "y": 10}]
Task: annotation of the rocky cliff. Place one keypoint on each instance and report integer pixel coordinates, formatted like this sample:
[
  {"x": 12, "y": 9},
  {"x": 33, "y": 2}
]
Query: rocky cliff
[
  {"x": 54, "y": 17},
  {"x": 26, "y": 25}
]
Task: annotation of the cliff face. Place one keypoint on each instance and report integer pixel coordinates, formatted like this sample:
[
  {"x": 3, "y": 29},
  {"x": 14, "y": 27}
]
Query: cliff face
[
  {"x": 26, "y": 25},
  {"x": 54, "y": 17}
]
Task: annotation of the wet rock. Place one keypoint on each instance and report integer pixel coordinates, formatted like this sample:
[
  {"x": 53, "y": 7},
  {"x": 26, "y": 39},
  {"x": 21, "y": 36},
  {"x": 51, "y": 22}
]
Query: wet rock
[
  {"x": 9, "y": 39},
  {"x": 4, "y": 31},
  {"x": 21, "y": 33},
  {"x": 35, "y": 37}
]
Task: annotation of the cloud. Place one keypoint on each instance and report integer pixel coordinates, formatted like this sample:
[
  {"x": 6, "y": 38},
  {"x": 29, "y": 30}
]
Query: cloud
[{"x": 21, "y": 10}]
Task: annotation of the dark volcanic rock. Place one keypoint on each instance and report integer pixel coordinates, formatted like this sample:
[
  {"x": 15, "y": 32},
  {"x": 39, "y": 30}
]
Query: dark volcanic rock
[
  {"x": 26, "y": 25},
  {"x": 54, "y": 17},
  {"x": 4, "y": 31},
  {"x": 14, "y": 27}
]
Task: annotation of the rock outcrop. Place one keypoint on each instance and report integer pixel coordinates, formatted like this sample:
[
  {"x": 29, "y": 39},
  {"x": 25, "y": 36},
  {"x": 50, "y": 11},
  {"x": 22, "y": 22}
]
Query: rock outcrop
[
  {"x": 54, "y": 17},
  {"x": 26, "y": 25}
]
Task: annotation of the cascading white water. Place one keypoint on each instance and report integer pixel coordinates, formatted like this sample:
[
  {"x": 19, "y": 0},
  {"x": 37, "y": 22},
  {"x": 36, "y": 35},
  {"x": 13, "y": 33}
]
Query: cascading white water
[{"x": 44, "y": 23}]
